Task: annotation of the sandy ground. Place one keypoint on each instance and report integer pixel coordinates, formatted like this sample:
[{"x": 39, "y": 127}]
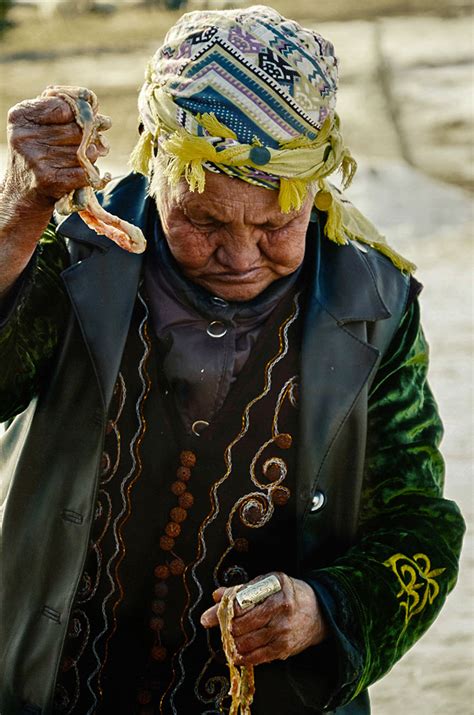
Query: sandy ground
[
  {"x": 407, "y": 104},
  {"x": 437, "y": 674}
]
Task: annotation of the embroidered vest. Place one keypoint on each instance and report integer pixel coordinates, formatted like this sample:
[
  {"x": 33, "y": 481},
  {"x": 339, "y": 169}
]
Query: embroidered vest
[{"x": 177, "y": 516}]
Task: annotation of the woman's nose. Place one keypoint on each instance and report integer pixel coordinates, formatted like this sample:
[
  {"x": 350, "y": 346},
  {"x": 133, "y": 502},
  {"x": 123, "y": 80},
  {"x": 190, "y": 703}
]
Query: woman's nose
[{"x": 239, "y": 250}]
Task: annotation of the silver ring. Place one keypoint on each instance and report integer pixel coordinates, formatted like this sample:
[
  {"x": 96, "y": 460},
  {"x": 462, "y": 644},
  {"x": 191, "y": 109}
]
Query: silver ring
[{"x": 251, "y": 595}]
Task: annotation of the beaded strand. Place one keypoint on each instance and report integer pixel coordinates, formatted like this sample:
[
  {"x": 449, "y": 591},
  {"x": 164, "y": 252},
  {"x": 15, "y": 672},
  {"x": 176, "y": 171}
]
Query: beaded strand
[{"x": 168, "y": 568}]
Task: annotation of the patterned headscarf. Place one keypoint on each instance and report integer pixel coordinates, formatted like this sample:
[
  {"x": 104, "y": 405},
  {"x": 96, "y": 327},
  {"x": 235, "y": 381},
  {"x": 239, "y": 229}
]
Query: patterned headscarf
[{"x": 250, "y": 94}]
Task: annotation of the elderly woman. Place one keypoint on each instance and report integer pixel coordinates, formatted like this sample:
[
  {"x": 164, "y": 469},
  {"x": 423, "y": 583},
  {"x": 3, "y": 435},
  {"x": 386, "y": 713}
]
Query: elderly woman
[{"x": 246, "y": 398}]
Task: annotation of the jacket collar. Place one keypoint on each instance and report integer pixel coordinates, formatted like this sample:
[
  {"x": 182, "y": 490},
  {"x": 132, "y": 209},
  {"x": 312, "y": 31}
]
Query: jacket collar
[
  {"x": 337, "y": 360},
  {"x": 343, "y": 281}
]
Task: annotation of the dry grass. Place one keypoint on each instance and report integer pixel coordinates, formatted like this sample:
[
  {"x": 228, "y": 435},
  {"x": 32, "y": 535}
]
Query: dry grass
[
  {"x": 108, "y": 52},
  {"x": 35, "y": 36}
]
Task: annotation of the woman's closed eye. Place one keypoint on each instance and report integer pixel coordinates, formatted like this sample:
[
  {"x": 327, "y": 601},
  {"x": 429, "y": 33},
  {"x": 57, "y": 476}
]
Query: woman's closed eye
[{"x": 206, "y": 224}]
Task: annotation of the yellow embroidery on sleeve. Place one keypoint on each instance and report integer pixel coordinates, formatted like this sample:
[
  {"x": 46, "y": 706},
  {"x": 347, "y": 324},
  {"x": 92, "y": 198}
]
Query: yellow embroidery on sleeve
[{"x": 417, "y": 582}]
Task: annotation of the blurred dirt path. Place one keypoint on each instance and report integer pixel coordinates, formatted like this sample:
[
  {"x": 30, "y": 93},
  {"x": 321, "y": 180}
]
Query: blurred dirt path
[{"x": 406, "y": 91}]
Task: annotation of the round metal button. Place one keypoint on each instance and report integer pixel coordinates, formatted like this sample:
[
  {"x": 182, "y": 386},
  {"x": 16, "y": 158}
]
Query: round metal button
[
  {"x": 199, "y": 426},
  {"x": 216, "y": 329},
  {"x": 319, "y": 500}
]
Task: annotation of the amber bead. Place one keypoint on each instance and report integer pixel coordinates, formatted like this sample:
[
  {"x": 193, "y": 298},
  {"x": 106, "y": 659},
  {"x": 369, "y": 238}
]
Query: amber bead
[
  {"x": 273, "y": 472},
  {"x": 162, "y": 571},
  {"x": 280, "y": 496},
  {"x": 284, "y": 441},
  {"x": 156, "y": 623},
  {"x": 183, "y": 473},
  {"x": 158, "y": 606},
  {"x": 161, "y": 589},
  {"x": 241, "y": 545},
  {"x": 187, "y": 458},
  {"x": 186, "y": 500},
  {"x": 178, "y": 514},
  {"x": 109, "y": 426},
  {"x": 172, "y": 529},
  {"x": 178, "y": 487},
  {"x": 177, "y": 567},
  {"x": 158, "y": 653},
  {"x": 144, "y": 697},
  {"x": 166, "y": 543}
]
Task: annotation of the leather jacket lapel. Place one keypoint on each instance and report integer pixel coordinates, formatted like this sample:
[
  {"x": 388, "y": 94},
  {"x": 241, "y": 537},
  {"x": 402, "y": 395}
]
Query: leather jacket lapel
[
  {"x": 337, "y": 361},
  {"x": 102, "y": 292},
  {"x": 103, "y": 279}
]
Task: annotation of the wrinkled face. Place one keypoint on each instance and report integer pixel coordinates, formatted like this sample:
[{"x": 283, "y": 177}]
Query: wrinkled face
[{"x": 232, "y": 239}]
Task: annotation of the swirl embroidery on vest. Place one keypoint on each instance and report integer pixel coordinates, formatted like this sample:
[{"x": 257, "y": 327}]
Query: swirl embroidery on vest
[
  {"x": 69, "y": 689},
  {"x": 191, "y": 570},
  {"x": 418, "y": 585},
  {"x": 254, "y": 509},
  {"x": 121, "y": 519}
]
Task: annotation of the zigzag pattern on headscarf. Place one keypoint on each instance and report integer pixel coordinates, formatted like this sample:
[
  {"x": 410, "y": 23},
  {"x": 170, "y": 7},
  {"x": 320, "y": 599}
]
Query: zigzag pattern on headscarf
[{"x": 251, "y": 94}]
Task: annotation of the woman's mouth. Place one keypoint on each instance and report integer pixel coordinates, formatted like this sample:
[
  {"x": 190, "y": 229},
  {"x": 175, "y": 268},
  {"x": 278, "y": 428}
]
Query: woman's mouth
[{"x": 236, "y": 276}]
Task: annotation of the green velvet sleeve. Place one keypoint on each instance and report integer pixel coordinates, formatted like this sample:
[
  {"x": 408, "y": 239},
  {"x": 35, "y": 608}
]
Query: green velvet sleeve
[
  {"x": 390, "y": 586},
  {"x": 30, "y": 333}
]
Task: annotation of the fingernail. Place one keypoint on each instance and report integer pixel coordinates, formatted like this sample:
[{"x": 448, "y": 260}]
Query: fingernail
[{"x": 204, "y": 620}]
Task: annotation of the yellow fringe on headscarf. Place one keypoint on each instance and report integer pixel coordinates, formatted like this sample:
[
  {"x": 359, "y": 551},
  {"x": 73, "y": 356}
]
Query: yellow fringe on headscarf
[
  {"x": 348, "y": 168},
  {"x": 399, "y": 261},
  {"x": 345, "y": 222},
  {"x": 188, "y": 153},
  {"x": 142, "y": 153},
  {"x": 334, "y": 227},
  {"x": 214, "y": 127},
  {"x": 292, "y": 194}
]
